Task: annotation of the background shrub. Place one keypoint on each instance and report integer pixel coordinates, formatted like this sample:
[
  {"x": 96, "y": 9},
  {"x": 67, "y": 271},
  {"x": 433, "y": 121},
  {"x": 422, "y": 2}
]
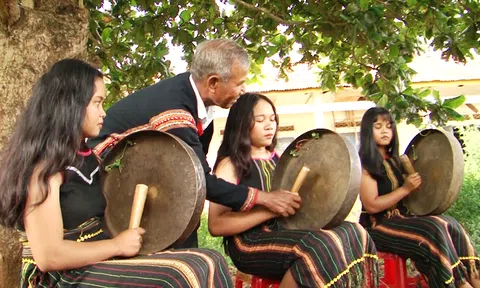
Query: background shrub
[{"x": 467, "y": 207}]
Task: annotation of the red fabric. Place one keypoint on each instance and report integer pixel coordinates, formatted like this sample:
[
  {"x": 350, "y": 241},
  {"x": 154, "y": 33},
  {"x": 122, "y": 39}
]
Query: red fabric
[{"x": 199, "y": 128}]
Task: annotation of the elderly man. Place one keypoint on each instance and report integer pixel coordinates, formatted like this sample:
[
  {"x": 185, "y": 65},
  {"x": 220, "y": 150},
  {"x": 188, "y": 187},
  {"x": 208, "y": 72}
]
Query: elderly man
[{"x": 182, "y": 106}]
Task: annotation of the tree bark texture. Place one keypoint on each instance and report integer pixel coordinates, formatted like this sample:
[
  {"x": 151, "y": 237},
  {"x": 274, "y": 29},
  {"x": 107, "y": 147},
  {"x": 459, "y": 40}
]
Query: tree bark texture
[{"x": 31, "y": 40}]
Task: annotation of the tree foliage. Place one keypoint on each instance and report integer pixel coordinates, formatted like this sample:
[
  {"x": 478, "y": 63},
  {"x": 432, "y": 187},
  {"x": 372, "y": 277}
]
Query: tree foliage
[{"x": 365, "y": 43}]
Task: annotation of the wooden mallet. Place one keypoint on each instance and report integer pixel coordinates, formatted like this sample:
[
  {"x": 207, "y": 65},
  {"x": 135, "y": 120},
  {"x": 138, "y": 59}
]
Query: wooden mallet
[
  {"x": 300, "y": 178},
  {"x": 139, "y": 198},
  {"x": 407, "y": 165}
]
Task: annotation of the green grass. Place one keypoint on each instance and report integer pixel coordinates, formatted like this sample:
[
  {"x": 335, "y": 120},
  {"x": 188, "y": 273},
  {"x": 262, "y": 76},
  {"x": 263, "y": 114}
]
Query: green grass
[
  {"x": 466, "y": 208},
  {"x": 205, "y": 240}
]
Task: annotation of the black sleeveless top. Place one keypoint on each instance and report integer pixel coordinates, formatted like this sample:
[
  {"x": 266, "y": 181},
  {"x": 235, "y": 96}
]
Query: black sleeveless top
[
  {"x": 392, "y": 179},
  {"x": 260, "y": 173},
  {"x": 259, "y": 176},
  {"x": 81, "y": 196}
]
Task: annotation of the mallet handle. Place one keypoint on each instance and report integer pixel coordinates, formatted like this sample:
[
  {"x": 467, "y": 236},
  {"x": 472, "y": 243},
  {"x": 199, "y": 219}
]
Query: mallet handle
[
  {"x": 407, "y": 165},
  {"x": 300, "y": 178},
  {"x": 138, "y": 205}
]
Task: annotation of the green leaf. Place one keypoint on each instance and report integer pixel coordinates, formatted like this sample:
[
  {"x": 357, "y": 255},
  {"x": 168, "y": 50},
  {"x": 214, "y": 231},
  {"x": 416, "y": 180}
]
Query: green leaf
[
  {"x": 453, "y": 114},
  {"x": 454, "y": 102},
  {"x": 106, "y": 34},
  {"x": 436, "y": 95},
  {"x": 364, "y": 4},
  {"x": 327, "y": 40},
  {"x": 126, "y": 25},
  {"x": 408, "y": 91},
  {"x": 401, "y": 61},
  {"x": 272, "y": 50},
  {"x": 375, "y": 36},
  {"x": 344, "y": 17},
  {"x": 429, "y": 33},
  {"x": 368, "y": 79},
  {"x": 383, "y": 101},
  {"x": 161, "y": 51},
  {"x": 185, "y": 15},
  {"x": 218, "y": 21},
  {"x": 403, "y": 104},
  {"x": 279, "y": 39},
  {"x": 411, "y": 3},
  {"x": 148, "y": 27},
  {"x": 184, "y": 36},
  {"x": 417, "y": 121},
  {"x": 394, "y": 51},
  {"x": 424, "y": 93},
  {"x": 310, "y": 38}
]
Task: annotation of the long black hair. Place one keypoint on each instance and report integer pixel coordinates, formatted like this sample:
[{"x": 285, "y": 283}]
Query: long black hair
[
  {"x": 236, "y": 139},
  {"x": 369, "y": 155},
  {"x": 47, "y": 135}
]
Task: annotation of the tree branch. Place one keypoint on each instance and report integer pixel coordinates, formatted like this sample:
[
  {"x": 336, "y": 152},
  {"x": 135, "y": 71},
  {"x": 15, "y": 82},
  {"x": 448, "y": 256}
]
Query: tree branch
[
  {"x": 216, "y": 8},
  {"x": 360, "y": 63},
  {"x": 354, "y": 44},
  {"x": 280, "y": 20},
  {"x": 94, "y": 40}
]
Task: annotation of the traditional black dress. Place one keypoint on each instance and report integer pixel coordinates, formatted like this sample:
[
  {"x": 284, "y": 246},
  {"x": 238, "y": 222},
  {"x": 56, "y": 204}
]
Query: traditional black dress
[
  {"x": 341, "y": 257},
  {"x": 439, "y": 246},
  {"x": 83, "y": 205}
]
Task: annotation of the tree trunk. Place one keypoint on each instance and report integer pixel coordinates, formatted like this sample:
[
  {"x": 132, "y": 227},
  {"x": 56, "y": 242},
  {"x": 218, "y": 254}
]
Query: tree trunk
[{"x": 31, "y": 40}]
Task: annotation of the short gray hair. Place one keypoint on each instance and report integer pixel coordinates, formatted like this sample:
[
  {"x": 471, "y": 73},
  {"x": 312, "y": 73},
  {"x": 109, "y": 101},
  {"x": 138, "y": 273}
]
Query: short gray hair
[{"x": 217, "y": 57}]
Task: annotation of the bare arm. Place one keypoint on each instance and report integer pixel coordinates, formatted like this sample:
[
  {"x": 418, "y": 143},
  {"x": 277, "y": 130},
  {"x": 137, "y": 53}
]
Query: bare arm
[
  {"x": 222, "y": 221},
  {"x": 374, "y": 203},
  {"x": 44, "y": 228}
]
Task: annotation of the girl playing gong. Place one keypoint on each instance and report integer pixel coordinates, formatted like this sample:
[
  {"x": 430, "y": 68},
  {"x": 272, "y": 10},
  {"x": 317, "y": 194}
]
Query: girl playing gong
[
  {"x": 255, "y": 240},
  {"x": 439, "y": 246},
  {"x": 51, "y": 192}
]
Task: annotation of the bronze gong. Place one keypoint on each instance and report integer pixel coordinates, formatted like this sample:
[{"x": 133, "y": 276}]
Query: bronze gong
[
  {"x": 438, "y": 157},
  {"x": 176, "y": 187},
  {"x": 332, "y": 185}
]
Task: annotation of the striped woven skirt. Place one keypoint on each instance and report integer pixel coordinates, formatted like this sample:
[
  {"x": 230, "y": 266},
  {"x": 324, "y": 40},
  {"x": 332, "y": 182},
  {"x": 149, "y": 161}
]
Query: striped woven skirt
[
  {"x": 439, "y": 246},
  {"x": 173, "y": 269},
  {"x": 341, "y": 257}
]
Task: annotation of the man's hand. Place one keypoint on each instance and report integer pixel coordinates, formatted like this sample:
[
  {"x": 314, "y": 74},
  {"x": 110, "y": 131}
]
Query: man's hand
[{"x": 280, "y": 202}]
